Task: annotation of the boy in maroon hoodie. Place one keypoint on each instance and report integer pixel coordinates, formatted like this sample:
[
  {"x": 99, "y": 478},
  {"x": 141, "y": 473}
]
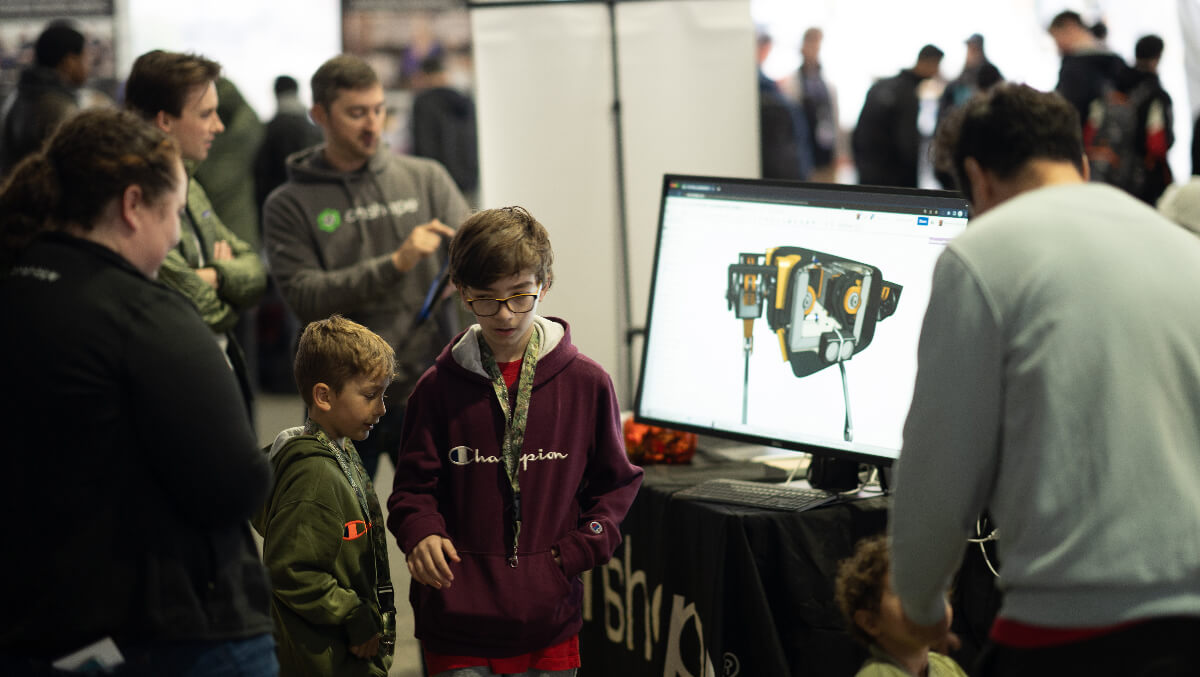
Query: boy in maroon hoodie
[{"x": 513, "y": 478}]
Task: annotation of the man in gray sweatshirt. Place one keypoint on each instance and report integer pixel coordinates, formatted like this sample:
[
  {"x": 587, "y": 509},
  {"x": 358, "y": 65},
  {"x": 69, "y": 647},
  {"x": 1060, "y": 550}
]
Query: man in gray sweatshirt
[
  {"x": 358, "y": 230},
  {"x": 1058, "y": 388}
]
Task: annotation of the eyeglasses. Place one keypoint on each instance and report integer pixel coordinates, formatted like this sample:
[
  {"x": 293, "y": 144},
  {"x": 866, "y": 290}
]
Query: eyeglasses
[{"x": 517, "y": 303}]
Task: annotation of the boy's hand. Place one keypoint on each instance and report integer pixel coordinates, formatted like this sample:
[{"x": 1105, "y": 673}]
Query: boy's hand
[
  {"x": 427, "y": 562},
  {"x": 367, "y": 649},
  {"x": 421, "y": 242}
]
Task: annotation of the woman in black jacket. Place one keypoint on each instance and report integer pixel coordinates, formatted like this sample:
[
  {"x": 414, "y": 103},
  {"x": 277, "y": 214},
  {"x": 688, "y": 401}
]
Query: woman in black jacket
[{"x": 131, "y": 466}]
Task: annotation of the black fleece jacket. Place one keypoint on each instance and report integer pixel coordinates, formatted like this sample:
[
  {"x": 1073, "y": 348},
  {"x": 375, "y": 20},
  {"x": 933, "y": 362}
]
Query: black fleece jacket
[{"x": 131, "y": 466}]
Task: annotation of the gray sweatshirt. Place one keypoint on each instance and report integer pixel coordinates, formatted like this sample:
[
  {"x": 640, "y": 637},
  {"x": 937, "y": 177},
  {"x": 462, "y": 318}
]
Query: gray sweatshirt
[
  {"x": 329, "y": 238},
  {"x": 1059, "y": 387}
]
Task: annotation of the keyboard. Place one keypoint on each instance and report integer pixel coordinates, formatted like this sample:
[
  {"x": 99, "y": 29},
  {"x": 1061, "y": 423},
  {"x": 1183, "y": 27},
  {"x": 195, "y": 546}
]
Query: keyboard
[{"x": 757, "y": 494}]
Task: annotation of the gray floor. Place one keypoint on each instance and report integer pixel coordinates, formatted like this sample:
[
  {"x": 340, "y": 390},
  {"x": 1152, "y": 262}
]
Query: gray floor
[{"x": 276, "y": 412}]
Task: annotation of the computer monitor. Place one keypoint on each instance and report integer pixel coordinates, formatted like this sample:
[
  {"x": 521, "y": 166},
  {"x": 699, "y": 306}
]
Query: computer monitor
[{"x": 788, "y": 314}]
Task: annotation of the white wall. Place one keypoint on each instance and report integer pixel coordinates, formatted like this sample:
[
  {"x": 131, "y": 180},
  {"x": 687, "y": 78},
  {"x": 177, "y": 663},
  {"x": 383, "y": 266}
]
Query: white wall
[{"x": 254, "y": 40}]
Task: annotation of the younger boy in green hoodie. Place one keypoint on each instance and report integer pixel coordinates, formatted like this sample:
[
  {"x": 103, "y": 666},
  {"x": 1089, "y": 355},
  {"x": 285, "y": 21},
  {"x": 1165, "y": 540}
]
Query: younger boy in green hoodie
[{"x": 323, "y": 531}]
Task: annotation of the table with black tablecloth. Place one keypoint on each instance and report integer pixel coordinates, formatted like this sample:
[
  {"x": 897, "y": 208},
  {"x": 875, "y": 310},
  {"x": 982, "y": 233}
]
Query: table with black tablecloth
[{"x": 700, "y": 588}]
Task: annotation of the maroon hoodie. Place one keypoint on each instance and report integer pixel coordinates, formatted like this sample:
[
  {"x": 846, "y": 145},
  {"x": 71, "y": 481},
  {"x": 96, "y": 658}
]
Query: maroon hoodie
[{"x": 576, "y": 485}]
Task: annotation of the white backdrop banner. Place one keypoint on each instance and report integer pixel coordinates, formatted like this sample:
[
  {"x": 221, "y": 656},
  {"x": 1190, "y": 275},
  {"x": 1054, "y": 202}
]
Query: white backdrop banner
[
  {"x": 544, "y": 104},
  {"x": 548, "y": 136},
  {"x": 1189, "y": 28},
  {"x": 689, "y": 93}
]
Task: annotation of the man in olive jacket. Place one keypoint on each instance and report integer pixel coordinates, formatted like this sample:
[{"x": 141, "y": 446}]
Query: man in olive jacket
[{"x": 219, "y": 272}]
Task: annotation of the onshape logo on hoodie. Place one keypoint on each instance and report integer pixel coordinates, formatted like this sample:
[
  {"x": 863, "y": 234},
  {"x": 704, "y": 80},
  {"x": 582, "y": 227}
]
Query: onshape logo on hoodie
[{"x": 329, "y": 220}]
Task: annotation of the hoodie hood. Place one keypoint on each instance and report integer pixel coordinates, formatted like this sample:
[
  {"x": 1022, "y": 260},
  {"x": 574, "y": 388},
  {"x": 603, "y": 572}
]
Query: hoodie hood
[
  {"x": 282, "y": 454},
  {"x": 310, "y": 166},
  {"x": 556, "y": 351},
  {"x": 279, "y": 455},
  {"x": 282, "y": 439}
]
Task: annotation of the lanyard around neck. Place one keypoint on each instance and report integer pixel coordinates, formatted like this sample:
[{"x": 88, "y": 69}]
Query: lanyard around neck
[
  {"x": 370, "y": 508},
  {"x": 515, "y": 419},
  {"x": 343, "y": 459}
]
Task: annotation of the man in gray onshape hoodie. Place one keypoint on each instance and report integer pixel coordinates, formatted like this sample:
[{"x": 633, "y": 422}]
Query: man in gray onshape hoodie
[{"x": 359, "y": 230}]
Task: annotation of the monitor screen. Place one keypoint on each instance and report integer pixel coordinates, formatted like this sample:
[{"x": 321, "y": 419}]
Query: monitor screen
[{"x": 788, "y": 314}]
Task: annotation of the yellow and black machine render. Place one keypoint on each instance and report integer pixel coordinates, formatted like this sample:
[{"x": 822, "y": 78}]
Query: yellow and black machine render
[{"x": 822, "y": 307}]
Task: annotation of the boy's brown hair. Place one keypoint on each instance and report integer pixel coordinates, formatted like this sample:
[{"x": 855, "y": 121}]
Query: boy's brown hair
[
  {"x": 335, "y": 350},
  {"x": 860, "y": 582},
  {"x": 496, "y": 243}
]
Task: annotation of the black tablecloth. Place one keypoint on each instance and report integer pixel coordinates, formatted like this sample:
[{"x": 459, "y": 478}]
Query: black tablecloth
[{"x": 748, "y": 592}]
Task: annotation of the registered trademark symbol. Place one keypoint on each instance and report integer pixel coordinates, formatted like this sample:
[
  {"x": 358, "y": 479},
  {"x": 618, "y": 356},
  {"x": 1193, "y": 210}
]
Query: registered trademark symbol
[{"x": 732, "y": 665}]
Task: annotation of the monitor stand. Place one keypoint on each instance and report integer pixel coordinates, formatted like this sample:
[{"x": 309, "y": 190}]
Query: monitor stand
[
  {"x": 885, "y": 477},
  {"x": 832, "y": 474}
]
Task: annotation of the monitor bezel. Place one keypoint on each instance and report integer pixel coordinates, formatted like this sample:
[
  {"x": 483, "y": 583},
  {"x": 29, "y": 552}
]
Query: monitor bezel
[{"x": 737, "y": 436}]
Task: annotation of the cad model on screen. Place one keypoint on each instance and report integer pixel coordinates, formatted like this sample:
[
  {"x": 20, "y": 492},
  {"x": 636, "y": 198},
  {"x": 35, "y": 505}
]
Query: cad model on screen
[{"x": 822, "y": 307}]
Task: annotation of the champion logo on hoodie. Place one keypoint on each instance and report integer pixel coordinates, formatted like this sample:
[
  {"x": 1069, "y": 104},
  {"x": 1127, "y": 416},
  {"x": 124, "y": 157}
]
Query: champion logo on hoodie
[
  {"x": 354, "y": 529},
  {"x": 467, "y": 456}
]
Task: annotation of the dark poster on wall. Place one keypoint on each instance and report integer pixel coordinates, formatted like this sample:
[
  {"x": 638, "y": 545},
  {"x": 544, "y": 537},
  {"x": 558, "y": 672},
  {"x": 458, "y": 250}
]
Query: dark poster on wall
[
  {"x": 21, "y": 21},
  {"x": 400, "y": 40},
  {"x": 396, "y": 37},
  {"x": 50, "y": 9},
  {"x": 406, "y": 5}
]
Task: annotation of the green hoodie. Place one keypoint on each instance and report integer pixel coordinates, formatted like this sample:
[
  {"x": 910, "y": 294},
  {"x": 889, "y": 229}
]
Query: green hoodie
[{"x": 321, "y": 559}]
